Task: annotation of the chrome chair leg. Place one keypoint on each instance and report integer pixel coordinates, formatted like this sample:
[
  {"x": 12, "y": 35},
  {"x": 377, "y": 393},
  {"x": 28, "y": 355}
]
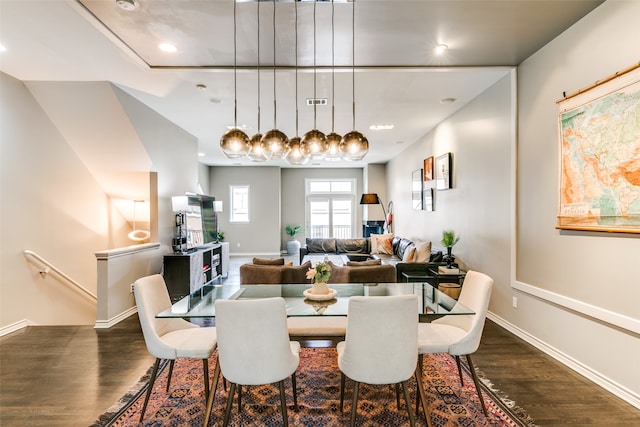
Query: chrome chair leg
[
  {"x": 170, "y": 374},
  {"x": 283, "y": 404},
  {"x": 459, "y": 370},
  {"x": 212, "y": 393},
  {"x": 227, "y": 412},
  {"x": 295, "y": 392},
  {"x": 151, "y": 381},
  {"x": 354, "y": 404},
  {"x": 407, "y": 399},
  {"x": 477, "y": 383},
  {"x": 205, "y": 369},
  {"x": 342, "y": 376}
]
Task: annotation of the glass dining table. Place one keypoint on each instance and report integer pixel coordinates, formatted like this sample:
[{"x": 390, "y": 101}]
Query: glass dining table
[{"x": 201, "y": 304}]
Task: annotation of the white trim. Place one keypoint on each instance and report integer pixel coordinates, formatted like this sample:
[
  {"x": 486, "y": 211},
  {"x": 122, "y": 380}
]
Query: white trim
[
  {"x": 592, "y": 375},
  {"x": 21, "y": 324},
  {"x": 106, "y": 324},
  {"x": 619, "y": 320}
]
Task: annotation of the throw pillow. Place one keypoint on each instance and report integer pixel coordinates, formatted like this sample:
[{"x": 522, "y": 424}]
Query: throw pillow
[
  {"x": 384, "y": 245},
  {"x": 374, "y": 243},
  {"x": 265, "y": 261},
  {"x": 409, "y": 254},
  {"x": 423, "y": 252},
  {"x": 364, "y": 263}
]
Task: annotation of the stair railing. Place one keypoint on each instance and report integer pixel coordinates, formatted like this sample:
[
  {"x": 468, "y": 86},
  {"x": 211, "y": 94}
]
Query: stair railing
[{"x": 46, "y": 267}]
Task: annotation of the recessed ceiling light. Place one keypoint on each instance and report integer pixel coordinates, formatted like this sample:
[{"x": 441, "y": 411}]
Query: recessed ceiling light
[
  {"x": 440, "y": 49},
  {"x": 128, "y": 5},
  {"x": 201, "y": 87},
  {"x": 167, "y": 47},
  {"x": 200, "y": 154},
  {"x": 447, "y": 100},
  {"x": 381, "y": 127},
  {"x": 216, "y": 101},
  {"x": 242, "y": 127},
  {"x": 399, "y": 142},
  {"x": 2, "y": 48}
]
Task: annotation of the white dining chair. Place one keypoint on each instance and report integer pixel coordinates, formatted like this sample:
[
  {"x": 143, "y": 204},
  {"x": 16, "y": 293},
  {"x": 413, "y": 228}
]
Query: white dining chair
[
  {"x": 254, "y": 348},
  {"x": 460, "y": 335},
  {"x": 169, "y": 338},
  {"x": 381, "y": 345}
]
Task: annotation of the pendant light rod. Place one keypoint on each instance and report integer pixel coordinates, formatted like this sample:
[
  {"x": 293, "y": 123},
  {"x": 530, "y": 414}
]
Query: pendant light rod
[
  {"x": 275, "y": 125},
  {"x": 353, "y": 63},
  {"x": 235, "y": 64},
  {"x": 258, "y": 65},
  {"x": 333, "y": 69},
  {"x": 296, "y": 55},
  {"x": 314, "y": 65}
]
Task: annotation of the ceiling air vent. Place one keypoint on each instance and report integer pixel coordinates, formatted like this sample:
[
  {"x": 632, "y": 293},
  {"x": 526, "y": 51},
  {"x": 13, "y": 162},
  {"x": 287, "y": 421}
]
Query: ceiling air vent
[{"x": 316, "y": 101}]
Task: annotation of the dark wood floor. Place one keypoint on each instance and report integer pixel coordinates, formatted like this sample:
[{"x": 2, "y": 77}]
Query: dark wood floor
[{"x": 69, "y": 375}]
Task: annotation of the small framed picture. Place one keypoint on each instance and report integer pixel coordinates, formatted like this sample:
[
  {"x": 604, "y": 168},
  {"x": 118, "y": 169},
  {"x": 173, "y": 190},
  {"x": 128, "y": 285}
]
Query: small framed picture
[
  {"x": 444, "y": 172},
  {"x": 416, "y": 189},
  {"x": 428, "y": 169},
  {"x": 427, "y": 199}
]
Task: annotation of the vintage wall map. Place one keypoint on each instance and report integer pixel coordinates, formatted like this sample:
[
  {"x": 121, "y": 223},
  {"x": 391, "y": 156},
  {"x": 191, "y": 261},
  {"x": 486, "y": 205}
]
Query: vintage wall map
[{"x": 600, "y": 157}]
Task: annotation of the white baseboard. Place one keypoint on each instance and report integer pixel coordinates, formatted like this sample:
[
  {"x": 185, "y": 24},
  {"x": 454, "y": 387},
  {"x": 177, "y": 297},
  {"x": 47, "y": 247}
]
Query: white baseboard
[
  {"x": 105, "y": 324},
  {"x": 6, "y": 330},
  {"x": 592, "y": 375}
]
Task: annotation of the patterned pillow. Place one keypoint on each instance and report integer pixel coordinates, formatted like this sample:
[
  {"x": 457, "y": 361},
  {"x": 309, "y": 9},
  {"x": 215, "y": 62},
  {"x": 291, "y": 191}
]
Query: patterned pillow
[
  {"x": 383, "y": 245},
  {"x": 374, "y": 242}
]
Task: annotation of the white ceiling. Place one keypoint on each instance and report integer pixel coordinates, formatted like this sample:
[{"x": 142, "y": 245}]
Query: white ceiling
[{"x": 399, "y": 79}]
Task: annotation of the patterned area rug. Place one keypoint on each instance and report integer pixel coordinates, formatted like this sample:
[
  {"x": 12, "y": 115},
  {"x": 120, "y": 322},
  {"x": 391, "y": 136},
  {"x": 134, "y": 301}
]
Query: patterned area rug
[{"x": 318, "y": 379}]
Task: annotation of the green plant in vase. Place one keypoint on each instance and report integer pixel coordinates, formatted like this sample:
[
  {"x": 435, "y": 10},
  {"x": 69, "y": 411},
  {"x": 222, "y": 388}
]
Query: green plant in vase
[
  {"x": 449, "y": 239},
  {"x": 293, "y": 246}
]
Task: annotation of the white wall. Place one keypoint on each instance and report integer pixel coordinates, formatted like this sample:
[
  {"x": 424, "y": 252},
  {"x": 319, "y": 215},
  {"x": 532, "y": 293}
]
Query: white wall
[
  {"x": 262, "y": 234},
  {"x": 53, "y": 203},
  {"x": 478, "y": 207},
  {"x": 582, "y": 281}
]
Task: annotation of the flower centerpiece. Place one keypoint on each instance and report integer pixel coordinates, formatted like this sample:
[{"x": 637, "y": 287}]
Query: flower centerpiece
[{"x": 320, "y": 275}]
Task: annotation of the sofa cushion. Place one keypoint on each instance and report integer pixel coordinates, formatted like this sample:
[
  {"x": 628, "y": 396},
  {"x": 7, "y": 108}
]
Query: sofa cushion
[
  {"x": 374, "y": 242},
  {"x": 383, "y": 244},
  {"x": 423, "y": 252},
  {"x": 321, "y": 245},
  {"x": 363, "y": 263},
  {"x": 400, "y": 245},
  {"x": 362, "y": 274},
  {"x": 354, "y": 246},
  {"x": 409, "y": 254},
  {"x": 252, "y": 274},
  {"x": 296, "y": 274},
  {"x": 268, "y": 261}
]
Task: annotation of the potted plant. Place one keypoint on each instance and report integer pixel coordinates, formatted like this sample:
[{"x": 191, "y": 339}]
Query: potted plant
[
  {"x": 449, "y": 239},
  {"x": 293, "y": 246}
]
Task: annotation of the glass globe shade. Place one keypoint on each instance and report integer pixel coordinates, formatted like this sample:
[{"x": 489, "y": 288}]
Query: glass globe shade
[
  {"x": 258, "y": 152},
  {"x": 296, "y": 155},
  {"x": 235, "y": 144},
  {"x": 314, "y": 143},
  {"x": 333, "y": 147},
  {"x": 277, "y": 143},
  {"x": 354, "y": 146}
]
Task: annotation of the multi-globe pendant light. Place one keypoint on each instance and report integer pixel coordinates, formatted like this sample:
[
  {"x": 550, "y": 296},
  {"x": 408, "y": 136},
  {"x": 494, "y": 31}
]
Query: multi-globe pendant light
[
  {"x": 296, "y": 154},
  {"x": 314, "y": 145},
  {"x": 258, "y": 151},
  {"x": 333, "y": 139},
  {"x": 275, "y": 140},
  {"x": 234, "y": 142},
  {"x": 354, "y": 145},
  {"x": 314, "y": 142}
]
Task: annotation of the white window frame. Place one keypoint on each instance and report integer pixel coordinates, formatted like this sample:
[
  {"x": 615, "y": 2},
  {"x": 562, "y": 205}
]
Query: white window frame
[
  {"x": 232, "y": 203},
  {"x": 331, "y": 196}
]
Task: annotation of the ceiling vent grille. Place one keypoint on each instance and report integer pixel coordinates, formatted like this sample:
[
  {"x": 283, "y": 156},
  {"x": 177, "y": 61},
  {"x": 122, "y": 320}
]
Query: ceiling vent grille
[{"x": 317, "y": 101}]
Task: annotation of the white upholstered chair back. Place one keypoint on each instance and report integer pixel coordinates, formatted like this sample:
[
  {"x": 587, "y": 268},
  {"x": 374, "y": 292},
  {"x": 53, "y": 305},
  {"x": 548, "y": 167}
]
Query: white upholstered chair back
[
  {"x": 381, "y": 342},
  {"x": 152, "y": 297},
  {"x": 253, "y": 341},
  {"x": 475, "y": 294}
]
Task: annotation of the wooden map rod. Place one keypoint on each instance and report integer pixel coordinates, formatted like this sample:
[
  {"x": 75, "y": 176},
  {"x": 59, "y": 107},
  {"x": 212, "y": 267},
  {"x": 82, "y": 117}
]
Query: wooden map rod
[{"x": 599, "y": 82}]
